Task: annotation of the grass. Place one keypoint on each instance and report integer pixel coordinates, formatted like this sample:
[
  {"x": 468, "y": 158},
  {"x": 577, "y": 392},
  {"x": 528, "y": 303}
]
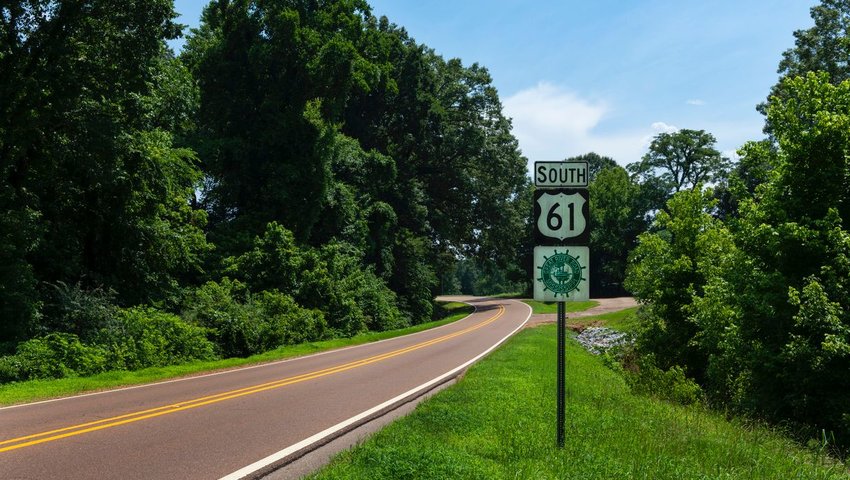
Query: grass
[
  {"x": 33, "y": 390},
  {"x": 552, "y": 307},
  {"x": 499, "y": 422},
  {"x": 622, "y": 320}
]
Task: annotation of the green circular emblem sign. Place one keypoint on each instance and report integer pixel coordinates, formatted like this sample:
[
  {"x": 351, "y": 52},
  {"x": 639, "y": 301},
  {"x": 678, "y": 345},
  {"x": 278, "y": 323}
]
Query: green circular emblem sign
[{"x": 560, "y": 273}]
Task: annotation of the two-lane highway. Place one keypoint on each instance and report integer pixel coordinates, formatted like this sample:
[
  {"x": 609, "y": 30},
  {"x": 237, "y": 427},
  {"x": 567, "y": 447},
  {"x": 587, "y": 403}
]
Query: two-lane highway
[{"x": 234, "y": 423}]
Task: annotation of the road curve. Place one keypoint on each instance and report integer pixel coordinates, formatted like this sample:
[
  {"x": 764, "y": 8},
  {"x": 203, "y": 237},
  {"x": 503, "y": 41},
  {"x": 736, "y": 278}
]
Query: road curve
[{"x": 239, "y": 422}]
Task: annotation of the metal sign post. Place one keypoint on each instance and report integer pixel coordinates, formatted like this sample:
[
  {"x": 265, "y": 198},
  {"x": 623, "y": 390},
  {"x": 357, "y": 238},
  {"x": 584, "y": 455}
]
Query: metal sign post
[
  {"x": 562, "y": 344},
  {"x": 561, "y": 255}
]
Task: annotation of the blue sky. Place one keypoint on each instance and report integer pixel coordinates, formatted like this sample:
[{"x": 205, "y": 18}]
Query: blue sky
[{"x": 607, "y": 75}]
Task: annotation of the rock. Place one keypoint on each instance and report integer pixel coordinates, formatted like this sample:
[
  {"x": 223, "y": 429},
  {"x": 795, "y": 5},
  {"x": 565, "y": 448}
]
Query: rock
[{"x": 597, "y": 340}]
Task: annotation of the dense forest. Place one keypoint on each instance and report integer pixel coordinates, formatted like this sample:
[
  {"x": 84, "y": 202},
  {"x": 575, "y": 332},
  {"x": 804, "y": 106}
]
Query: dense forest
[{"x": 302, "y": 170}]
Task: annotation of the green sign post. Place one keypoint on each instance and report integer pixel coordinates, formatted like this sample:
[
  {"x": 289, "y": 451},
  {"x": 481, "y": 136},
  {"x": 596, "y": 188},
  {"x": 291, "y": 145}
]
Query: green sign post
[{"x": 561, "y": 255}]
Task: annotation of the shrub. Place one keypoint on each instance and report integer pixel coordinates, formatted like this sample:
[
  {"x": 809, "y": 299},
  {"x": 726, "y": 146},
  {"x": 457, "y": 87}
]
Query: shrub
[
  {"x": 73, "y": 309},
  {"x": 146, "y": 337},
  {"x": 232, "y": 322},
  {"x": 57, "y": 355},
  {"x": 644, "y": 377},
  {"x": 285, "y": 322}
]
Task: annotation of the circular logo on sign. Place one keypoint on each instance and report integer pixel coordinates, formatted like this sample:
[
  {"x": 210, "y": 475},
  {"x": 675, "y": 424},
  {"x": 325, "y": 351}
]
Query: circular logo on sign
[{"x": 560, "y": 273}]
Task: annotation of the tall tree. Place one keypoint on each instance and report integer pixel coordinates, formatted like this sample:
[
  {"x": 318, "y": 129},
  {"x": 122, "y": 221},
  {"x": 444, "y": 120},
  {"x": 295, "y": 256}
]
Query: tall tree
[
  {"x": 93, "y": 184},
  {"x": 825, "y": 47},
  {"x": 616, "y": 221},
  {"x": 272, "y": 76},
  {"x": 677, "y": 161},
  {"x": 595, "y": 163}
]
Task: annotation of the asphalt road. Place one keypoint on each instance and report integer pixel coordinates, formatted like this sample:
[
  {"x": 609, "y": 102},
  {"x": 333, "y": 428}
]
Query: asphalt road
[{"x": 230, "y": 424}]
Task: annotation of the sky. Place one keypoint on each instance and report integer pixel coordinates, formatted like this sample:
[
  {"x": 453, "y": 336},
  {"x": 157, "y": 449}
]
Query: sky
[{"x": 606, "y": 76}]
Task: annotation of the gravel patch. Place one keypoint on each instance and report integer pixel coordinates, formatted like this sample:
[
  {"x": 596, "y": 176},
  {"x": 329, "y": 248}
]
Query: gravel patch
[{"x": 597, "y": 340}]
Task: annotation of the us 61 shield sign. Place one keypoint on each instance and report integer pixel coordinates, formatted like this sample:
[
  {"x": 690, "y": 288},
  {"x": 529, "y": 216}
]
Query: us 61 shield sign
[
  {"x": 561, "y": 217},
  {"x": 560, "y": 274}
]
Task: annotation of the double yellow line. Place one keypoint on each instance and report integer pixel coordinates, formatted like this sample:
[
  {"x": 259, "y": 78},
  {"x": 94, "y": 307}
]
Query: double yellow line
[{"x": 74, "y": 430}]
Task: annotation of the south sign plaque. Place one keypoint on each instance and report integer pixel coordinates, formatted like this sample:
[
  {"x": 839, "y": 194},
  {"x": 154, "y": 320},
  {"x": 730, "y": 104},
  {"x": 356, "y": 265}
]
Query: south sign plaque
[{"x": 561, "y": 174}]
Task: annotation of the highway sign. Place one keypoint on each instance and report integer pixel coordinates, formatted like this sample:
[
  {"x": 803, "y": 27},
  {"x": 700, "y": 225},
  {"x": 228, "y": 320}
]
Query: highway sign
[
  {"x": 560, "y": 274},
  {"x": 561, "y": 174},
  {"x": 561, "y": 217}
]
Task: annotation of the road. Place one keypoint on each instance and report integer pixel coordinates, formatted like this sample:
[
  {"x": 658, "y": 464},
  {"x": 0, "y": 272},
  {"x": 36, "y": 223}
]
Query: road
[{"x": 246, "y": 421}]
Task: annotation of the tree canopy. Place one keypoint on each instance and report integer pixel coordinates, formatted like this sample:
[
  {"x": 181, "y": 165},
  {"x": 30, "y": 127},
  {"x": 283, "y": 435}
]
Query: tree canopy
[{"x": 300, "y": 165}]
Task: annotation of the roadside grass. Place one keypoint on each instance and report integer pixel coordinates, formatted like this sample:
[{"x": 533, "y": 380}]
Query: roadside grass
[
  {"x": 499, "y": 422},
  {"x": 516, "y": 295},
  {"x": 622, "y": 320},
  {"x": 552, "y": 307},
  {"x": 34, "y": 390}
]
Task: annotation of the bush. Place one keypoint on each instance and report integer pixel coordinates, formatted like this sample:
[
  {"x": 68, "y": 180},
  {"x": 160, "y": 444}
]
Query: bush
[
  {"x": 644, "y": 377},
  {"x": 56, "y": 355},
  {"x": 242, "y": 324},
  {"x": 332, "y": 279},
  {"x": 231, "y": 322},
  {"x": 287, "y": 323},
  {"x": 353, "y": 297},
  {"x": 73, "y": 309},
  {"x": 146, "y": 337},
  {"x": 10, "y": 369}
]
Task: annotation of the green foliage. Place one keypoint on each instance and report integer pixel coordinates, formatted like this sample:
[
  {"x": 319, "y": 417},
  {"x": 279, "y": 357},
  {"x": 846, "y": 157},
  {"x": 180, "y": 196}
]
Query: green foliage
[
  {"x": 73, "y": 309},
  {"x": 758, "y": 311},
  {"x": 128, "y": 339},
  {"x": 616, "y": 220},
  {"x": 332, "y": 279},
  {"x": 825, "y": 47},
  {"x": 224, "y": 309},
  {"x": 477, "y": 277},
  {"x": 95, "y": 190},
  {"x": 146, "y": 337},
  {"x": 645, "y": 378},
  {"x": 354, "y": 298},
  {"x": 664, "y": 274},
  {"x": 287, "y": 323},
  {"x": 676, "y": 161},
  {"x": 55, "y": 355},
  {"x": 19, "y": 300},
  {"x": 242, "y": 324}
]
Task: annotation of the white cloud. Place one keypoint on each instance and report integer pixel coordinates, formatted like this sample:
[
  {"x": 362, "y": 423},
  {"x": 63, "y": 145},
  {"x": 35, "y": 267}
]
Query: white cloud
[
  {"x": 551, "y": 122},
  {"x": 731, "y": 155},
  {"x": 696, "y": 102},
  {"x": 661, "y": 127}
]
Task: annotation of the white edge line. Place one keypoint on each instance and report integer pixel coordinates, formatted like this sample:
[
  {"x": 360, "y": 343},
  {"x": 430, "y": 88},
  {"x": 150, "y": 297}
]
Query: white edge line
[
  {"x": 237, "y": 369},
  {"x": 260, "y": 464}
]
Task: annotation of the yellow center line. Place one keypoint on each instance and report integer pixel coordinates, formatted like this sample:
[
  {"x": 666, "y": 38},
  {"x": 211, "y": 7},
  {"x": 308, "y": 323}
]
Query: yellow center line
[{"x": 115, "y": 421}]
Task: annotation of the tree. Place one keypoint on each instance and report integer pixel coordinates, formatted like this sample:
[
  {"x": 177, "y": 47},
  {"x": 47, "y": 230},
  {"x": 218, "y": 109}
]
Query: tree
[
  {"x": 665, "y": 274},
  {"x": 772, "y": 315},
  {"x": 273, "y": 77},
  {"x": 595, "y": 163},
  {"x": 94, "y": 183},
  {"x": 825, "y": 47},
  {"x": 681, "y": 160},
  {"x": 616, "y": 221}
]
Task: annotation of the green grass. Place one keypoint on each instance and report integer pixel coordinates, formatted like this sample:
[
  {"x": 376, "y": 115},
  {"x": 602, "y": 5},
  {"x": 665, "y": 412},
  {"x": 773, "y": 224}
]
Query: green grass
[
  {"x": 622, "y": 320},
  {"x": 498, "y": 422},
  {"x": 33, "y": 390},
  {"x": 552, "y": 307}
]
